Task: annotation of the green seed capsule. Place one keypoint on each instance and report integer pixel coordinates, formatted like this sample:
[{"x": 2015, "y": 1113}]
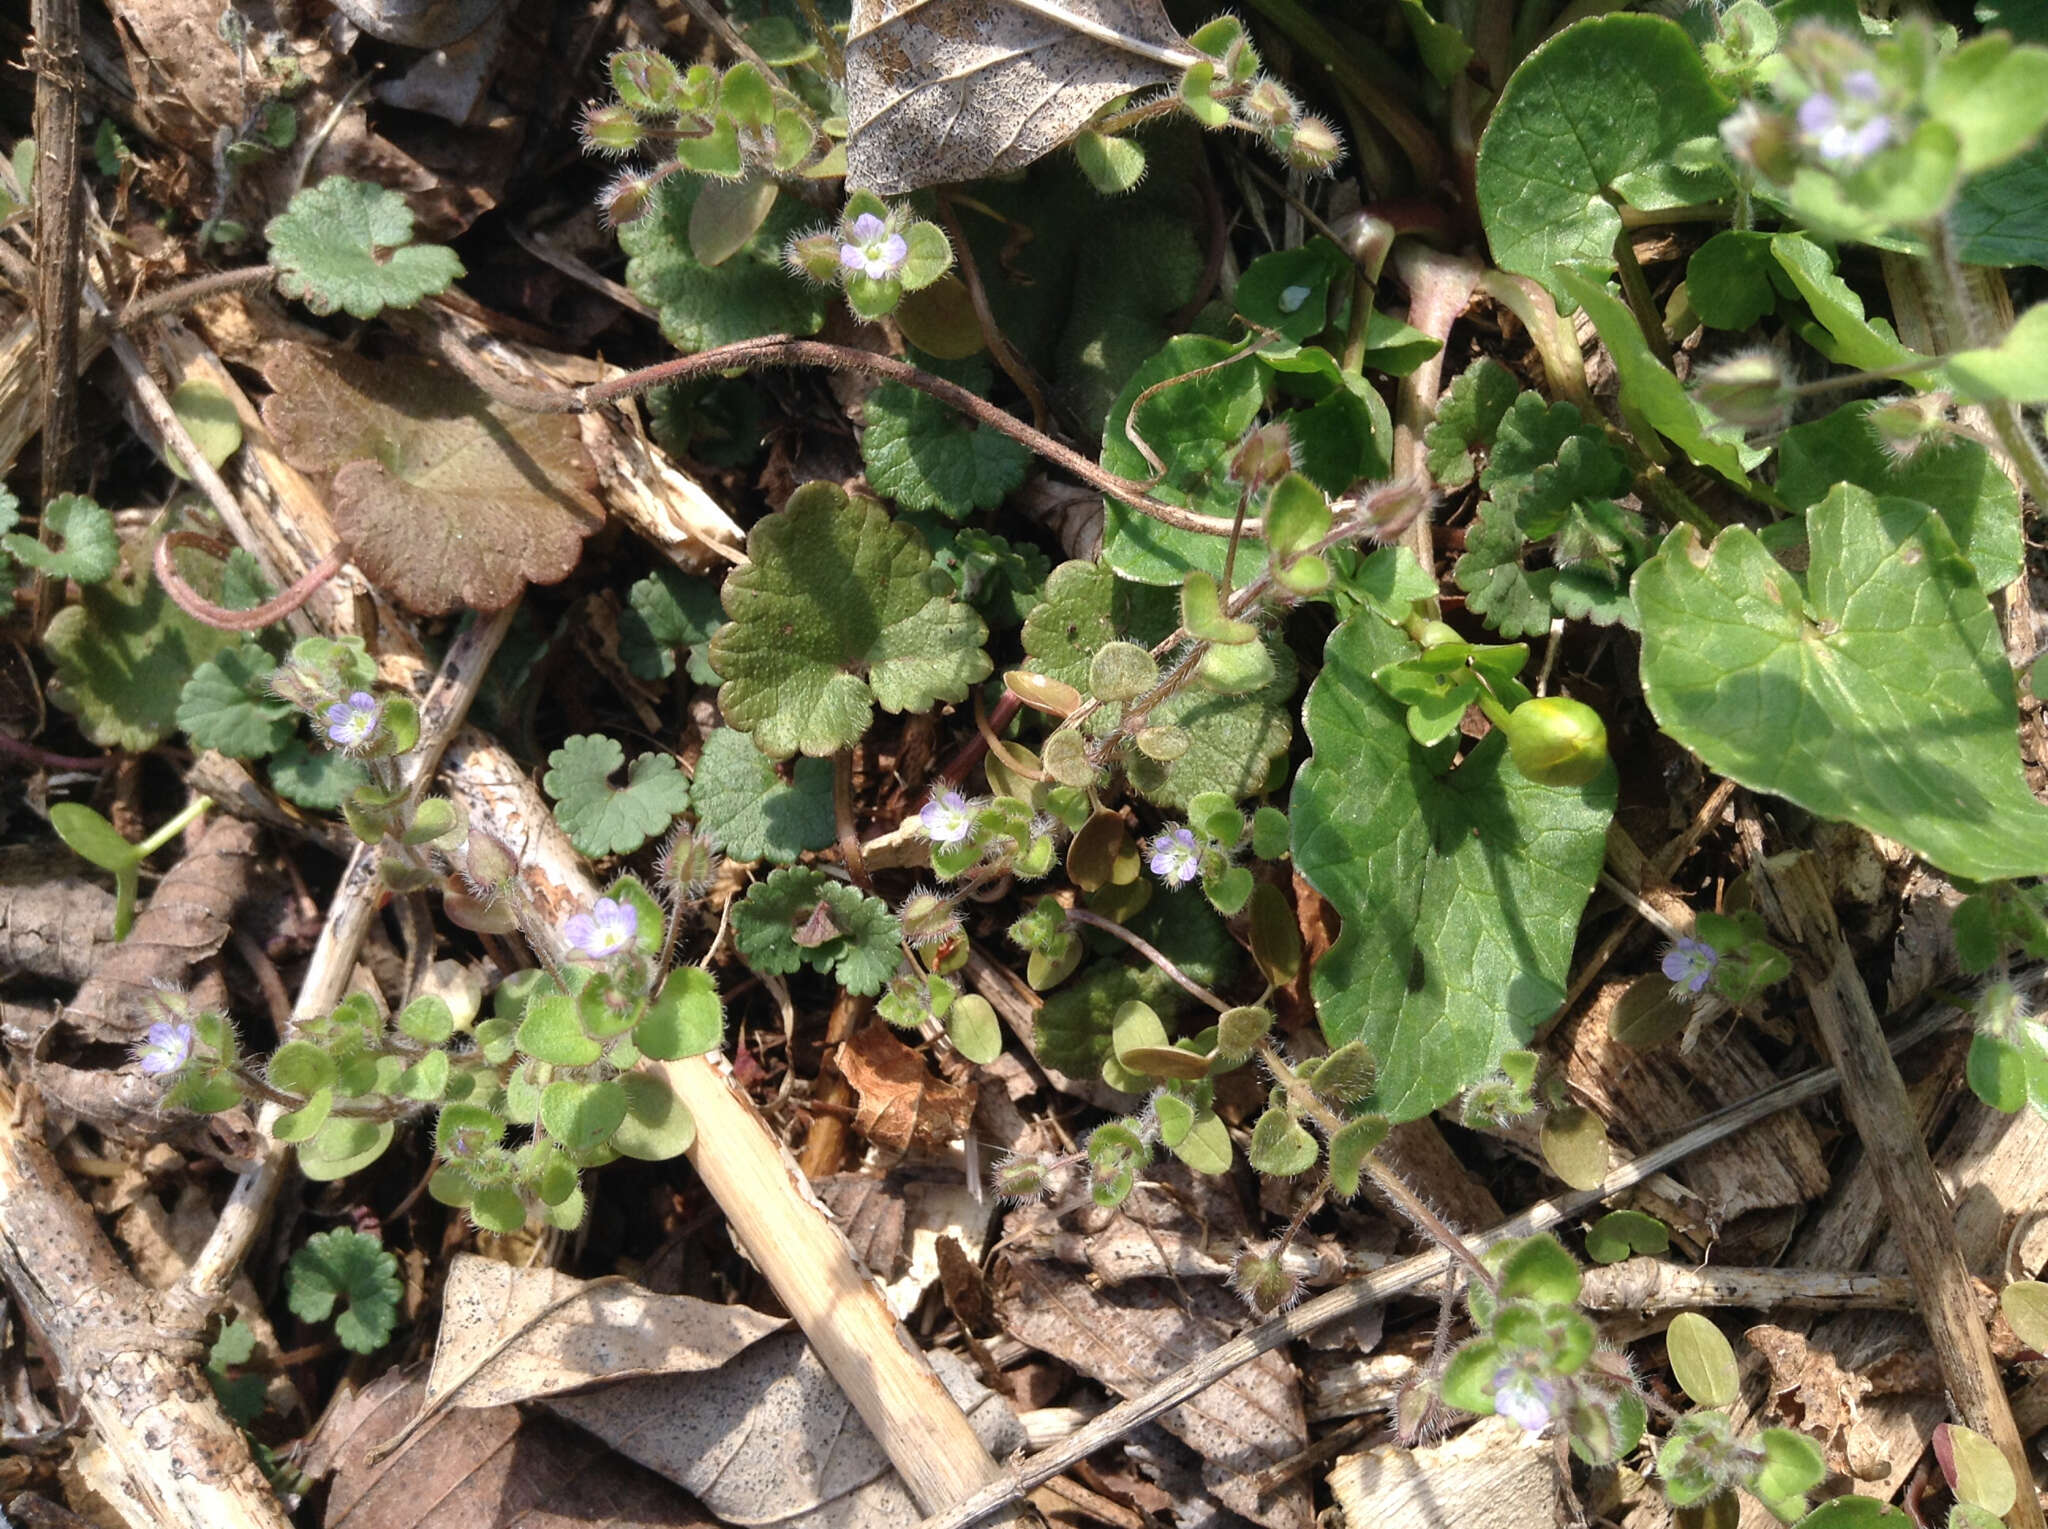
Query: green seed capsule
[{"x": 1556, "y": 741}]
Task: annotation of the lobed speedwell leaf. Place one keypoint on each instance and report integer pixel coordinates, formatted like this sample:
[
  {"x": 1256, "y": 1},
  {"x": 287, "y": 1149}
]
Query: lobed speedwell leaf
[
  {"x": 347, "y": 244},
  {"x": 801, "y": 917},
  {"x": 839, "y": 610},
  {"x": 89, "y": 550},
  {"x": 356, "y": 1269},
  {"x": 603, "y": 819}
]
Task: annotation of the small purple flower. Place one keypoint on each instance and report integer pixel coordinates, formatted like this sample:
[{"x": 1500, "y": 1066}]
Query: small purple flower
[
  {"x": 871, "y": 250},
  {"x": 351, "y": 724},
  {"x": 608, "y": 928},
  {"x": 1524, "y": 1397},
  {"x": 1689, "y": 964},
  {"x": 166, "y": 1048},
  {"x": 948, "y": 818},
  {"x": 1176, "y": 857},
  {"x": 1846, "y": 131}
]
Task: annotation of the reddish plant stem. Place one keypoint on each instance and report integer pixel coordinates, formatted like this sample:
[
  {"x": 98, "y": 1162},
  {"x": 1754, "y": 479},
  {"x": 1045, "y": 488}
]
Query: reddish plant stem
[
  {"x": 199, "y": 608},
  {"x": 44, "y": 759},
  {"x": 956, "y": 769}
]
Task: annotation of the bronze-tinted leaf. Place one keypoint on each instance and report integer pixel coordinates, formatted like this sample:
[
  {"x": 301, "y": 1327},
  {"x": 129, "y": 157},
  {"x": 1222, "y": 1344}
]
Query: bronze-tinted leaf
[{"x": 445, "y": 499}]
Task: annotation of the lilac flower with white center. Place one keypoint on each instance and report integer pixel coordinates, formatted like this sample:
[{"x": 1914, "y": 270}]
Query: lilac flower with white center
[
  {"x": 1176, "y": 857},
  {"x": 166, "y": 1048},
  {"x": 1524, "y": 1397},
  {"x": 871, "y": 250},
  {"x": 1846, "y": 129},
  {"x": 1689, "y": 964},
  {"x": 608, "y": 928},
  {"x": 948, "y": 818},
  {"x": 353, "y": 723}
]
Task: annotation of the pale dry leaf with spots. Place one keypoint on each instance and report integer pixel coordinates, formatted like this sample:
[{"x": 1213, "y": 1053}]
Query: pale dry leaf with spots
[
  {"x": 445, "y": 499},
  {"x": 952, "y": 90}
]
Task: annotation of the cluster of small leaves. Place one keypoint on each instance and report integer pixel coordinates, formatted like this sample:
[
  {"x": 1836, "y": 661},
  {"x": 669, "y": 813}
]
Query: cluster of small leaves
[
  {"x": 557, "y": 1058},
  {"x": 1226, "y": 87},
  {"x": 1551, "y": 478},
  {"x": 1703, "y": 1457}
]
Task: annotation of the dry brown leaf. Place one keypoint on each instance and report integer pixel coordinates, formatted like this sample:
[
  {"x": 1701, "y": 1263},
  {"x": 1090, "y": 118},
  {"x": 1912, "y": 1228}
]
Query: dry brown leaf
[
  {"x": 895, "y": 1224},
  {"x": 510, "y": 1335},
  {"x": 771, "y": 1439},
  {"x": 1494, "y": 1475},
  {"x": 446, "y": 499},
  {"x": 952, "y": 90},
  {"x": 55, "y": 921},
  {"x": 1133, "y": 1335},
  {"x": 1810, "y": 1391},
  {"x": 493, "y": 1466},
  {"x": 901, "y": 1104}
]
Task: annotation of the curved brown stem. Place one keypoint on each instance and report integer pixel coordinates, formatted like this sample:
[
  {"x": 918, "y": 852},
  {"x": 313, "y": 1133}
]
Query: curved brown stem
[
  {"x": 199, "y": 608},
  {"x": 197, "y": 290},
  {"x": 43, "y": 759}
]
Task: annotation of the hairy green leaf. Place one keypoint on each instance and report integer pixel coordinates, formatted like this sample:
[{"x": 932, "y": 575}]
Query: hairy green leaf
[
  {"x": 88, "y": 552},
  {"x": 228, "y": 705},
  {"x": 347, "y": 244},
  {"x": 750, "y": 810},
  {"x": 747, "y": 294},
  {"x": 354, "y": 1268},
  {"x": 1467, "y": 418},
  {"x": 1460, "y": 890},
  {"x": 839, "y": 610},
  {"x": 1874, "y": 691},
  {"x": 801, "y": 917},
  {"x": 667, "y": 612},
  {"x": 927, "y": 455}
]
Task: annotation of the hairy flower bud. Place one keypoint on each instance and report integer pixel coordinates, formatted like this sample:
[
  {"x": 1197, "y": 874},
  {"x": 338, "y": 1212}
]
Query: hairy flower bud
[
  {"x": 1023, "y": 1178},
  {"x": 1263, "y": 1281},
  {"x": 1750, "y": 390},
  {"x": 1313, "y": 146},
  {"x": 613, "y": 131}
]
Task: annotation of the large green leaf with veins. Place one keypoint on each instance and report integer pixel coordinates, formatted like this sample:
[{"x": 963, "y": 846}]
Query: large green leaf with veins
[
  {"x": 839, "y": 609},
  {"x": 1877, "y": 694},
  {"x": 1592, "y": 119},
  {"x": 1460, "y": 889}
]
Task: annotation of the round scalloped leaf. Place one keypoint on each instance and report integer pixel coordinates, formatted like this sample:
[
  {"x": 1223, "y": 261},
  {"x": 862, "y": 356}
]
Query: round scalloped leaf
[
  {"x": 228, "y": 705},
  {"x": 750, "y": 810},
  {"x": 90, "y": 550},
  {"x": 799, "y": 916},
  {"x": 927, "y": 455},
  {"x": 603, "y": 819},
  {"x": 347, "y": 244},
  {"x": 838, "y": 610}
]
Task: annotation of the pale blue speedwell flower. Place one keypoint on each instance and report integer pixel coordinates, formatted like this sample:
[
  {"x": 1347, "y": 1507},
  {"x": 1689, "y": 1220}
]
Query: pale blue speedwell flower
[
  {"x": 1524, "y": 1397},
  {"x": 1689, "y": 964},
  {"x": 166, "y": 1048},
  {"x": 1847, "y": 129},
  {"x": 608, "y": 928},
  {"x": 871, "y": 250},
  {"x": 1176, "y": 857},
  {"x": 351, "y": 724},
  {"x": 948, "y": 818}
]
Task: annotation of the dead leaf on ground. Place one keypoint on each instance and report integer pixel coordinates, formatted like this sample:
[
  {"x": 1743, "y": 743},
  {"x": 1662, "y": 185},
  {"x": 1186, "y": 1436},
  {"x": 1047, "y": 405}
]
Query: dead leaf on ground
[
  {"x": 1811, "y": 1392},
  {"x": 55, "y": 921},
  {"x": 494, "y": 1465},
  {"x": 445, "y": 499},
  {"x": 951, "y": 90},
  {"x": 771, "y": 1439},
  {"x": 1133, "y": 1335},
  {"x": 895, "y": 1224},
  {"x": 510, "y": 1335},
  {"x": 1494, "y": 1475},
  {"x": 901, "y": 1104}
]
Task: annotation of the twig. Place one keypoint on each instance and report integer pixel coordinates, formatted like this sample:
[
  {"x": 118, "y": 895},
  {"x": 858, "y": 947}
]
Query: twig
[
  {"x": 1650, "y": 1285},
  {"x": 1797, "y": 906},
  {"x": 185, "y": 294},
  {"x": 1397, "y": 1278},
  {"x": 60, "y": 255},
  {"x": 349, "y": 917}
]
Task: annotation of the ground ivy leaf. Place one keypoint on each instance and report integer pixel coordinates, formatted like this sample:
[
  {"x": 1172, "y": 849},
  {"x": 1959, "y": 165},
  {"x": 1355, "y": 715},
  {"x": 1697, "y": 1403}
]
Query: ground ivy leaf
[
  {"x": 862, "y": 956},
  {"x": 1601, "y": 109},
  {"x": 603, "y": 819},
  {"x": 1466, "y": 420},
  {"x": 347, "y": 244},
  {"x": 1958, "y": 477},
  {"x": 927, "y": 455},
  {"x": 1515, "y": 601},
  {"x": 447, "y": 499},
  {"x": 1645, "y": 382},
  {"x": 839, "y": 610},
  {"x": 1878, "y": 694},
  {"x": 228, "y": 705},
  {"x": 2001, "y": 216},
  {"x": 750, "y": 810},
  {"x": 667, "y": 611},
  {"x": 123, "y": 653},
  {"x": 747, "y": 294},
  {"x": 1194, "y": 427},
  {"x": 1460, "y": 890},
  {"x": 90, "y": 549}
]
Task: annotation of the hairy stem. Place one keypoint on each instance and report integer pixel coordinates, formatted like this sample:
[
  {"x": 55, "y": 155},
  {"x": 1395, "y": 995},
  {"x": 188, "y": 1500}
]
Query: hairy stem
[{"x": 201, "y": 609}]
